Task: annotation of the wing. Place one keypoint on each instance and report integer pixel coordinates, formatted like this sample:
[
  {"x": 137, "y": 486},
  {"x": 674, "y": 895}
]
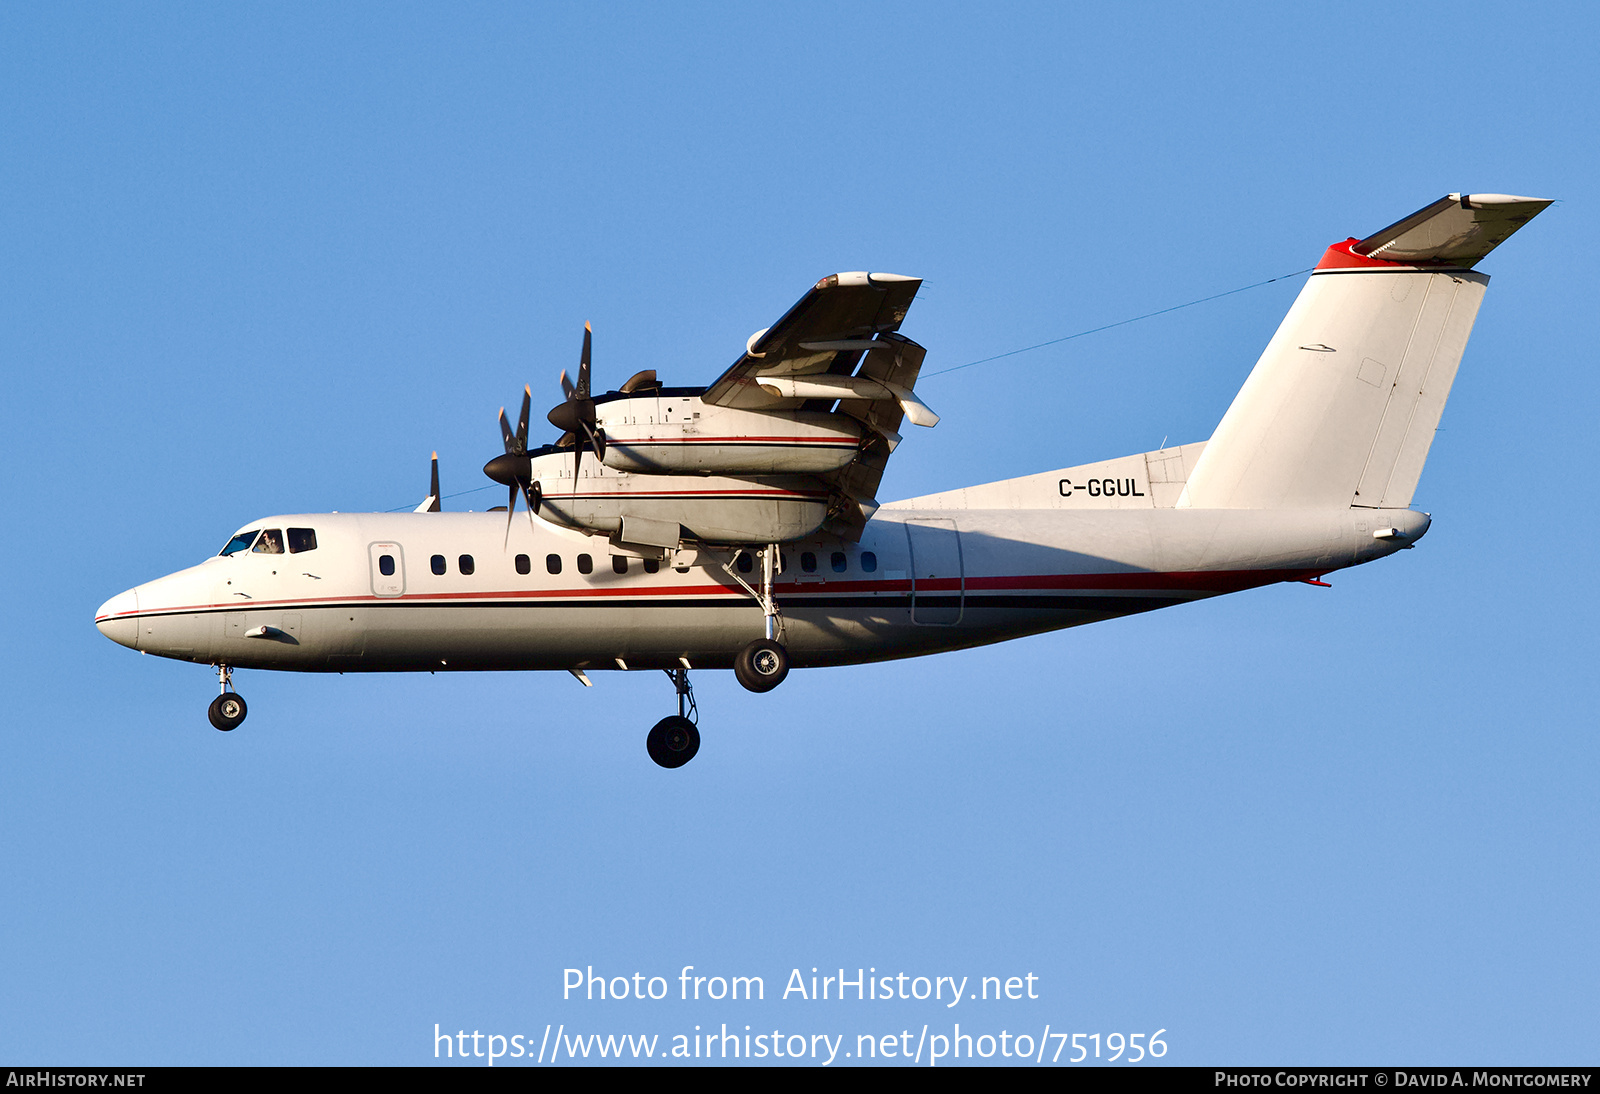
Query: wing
[
  {"x": 826, "y": 332},
  {"x": 838, "y": 345}
]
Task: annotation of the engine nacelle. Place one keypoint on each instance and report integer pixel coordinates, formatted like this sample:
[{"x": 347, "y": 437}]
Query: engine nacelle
[
  {"x": 681, "y": 435},
  {"x": 709, "y": 508}
]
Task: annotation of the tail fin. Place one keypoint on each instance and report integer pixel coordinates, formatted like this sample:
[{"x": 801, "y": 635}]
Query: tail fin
[{"x": 1341, "y": 408}]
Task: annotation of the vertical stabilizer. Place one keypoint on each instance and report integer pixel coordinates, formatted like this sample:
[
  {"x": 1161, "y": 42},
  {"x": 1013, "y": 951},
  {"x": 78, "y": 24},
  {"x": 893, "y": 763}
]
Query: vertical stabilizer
[{"x": 1342, "y": 406}]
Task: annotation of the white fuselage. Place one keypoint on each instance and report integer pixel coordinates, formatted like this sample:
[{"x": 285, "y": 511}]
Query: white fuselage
[{"x": 919, "y": 581}]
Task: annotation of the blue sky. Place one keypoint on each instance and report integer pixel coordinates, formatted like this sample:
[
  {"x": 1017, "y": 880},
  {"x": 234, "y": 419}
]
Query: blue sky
[{"x": 265, "y": 259}]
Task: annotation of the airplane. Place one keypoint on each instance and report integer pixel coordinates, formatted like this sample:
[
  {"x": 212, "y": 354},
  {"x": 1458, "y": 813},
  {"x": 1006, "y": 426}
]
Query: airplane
[{"x": 702, "y": 506}]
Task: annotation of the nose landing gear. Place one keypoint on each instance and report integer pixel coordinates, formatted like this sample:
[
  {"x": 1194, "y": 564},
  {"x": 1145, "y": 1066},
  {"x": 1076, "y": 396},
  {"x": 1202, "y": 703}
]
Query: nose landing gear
[
  {"x": 675, "y": 739},
  {"x": 228, "y": 709},
  {"x": 673, "y": 742}
]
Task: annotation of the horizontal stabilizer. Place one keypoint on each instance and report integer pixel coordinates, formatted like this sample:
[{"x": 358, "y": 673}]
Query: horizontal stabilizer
[{"x": 1457, "y": 230}]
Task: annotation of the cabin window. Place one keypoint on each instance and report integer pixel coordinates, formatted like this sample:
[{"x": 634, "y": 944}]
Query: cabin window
[
  {"x": 585, "y": 564},
  {"x": 808, "y": 562},
  {"x": 524, "y": 564},
  {"x": 552, "y": 563},
  {"x": 240, "y": 542},
  {"x": 437, "y": 565},
  {"x": 746, "y": 563},
  {"x": 869, "y": 562},
  {"x": 466, "y": 564},
  {"x": 270, "y": 543},
  {"x": 839, "y": 562},
  {"x": 619, "y": 565},
  {"x": 302, "y": 539},
  {"x": 652, "y": 565},
  {"x": 386, "y": 565}
]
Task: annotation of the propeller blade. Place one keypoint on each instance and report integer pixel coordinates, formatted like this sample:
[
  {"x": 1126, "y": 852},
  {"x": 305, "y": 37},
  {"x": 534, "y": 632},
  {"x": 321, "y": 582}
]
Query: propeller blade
[
  {"x": 575, "y": 413},
  {"x": 597, "y": 441},
  {"x": 514, "y": 469},
  {"x": 583, "y": 364},
  {"x": 433, "y": 491}
]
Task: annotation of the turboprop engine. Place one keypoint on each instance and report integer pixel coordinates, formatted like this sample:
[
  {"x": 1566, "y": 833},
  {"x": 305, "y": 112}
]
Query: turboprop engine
[
  {"x": 762, "y": 457},
  {"x": 670, "y": 467}
]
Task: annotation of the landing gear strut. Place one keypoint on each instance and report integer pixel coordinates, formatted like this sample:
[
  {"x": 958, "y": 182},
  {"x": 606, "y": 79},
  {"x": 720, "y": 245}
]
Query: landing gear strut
[
  {"x": 675, "y": 739},
  {"x": 762, "y": 665},
  {"x": 228, "y": 709}
]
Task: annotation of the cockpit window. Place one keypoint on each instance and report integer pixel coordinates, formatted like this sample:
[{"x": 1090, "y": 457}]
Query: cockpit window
[
  {"x": 239, "y": 542},
  {"x": 302, "y": 539},
  {"x": 270, "y": 543}
]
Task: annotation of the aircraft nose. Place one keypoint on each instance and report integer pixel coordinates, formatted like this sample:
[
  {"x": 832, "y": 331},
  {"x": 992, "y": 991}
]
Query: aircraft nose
[{"x": 117, "y": 619}]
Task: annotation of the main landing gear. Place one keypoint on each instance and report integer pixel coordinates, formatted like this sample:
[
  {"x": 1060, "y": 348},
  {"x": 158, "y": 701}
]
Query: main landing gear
[
  {"x": 675, "y": 739},
  {"x": 762, "y": 665},
  {"x": 228, "y": 709}
]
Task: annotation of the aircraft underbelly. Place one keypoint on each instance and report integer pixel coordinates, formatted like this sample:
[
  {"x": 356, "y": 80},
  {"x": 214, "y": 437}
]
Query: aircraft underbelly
[{"x": 595, "y": 638}]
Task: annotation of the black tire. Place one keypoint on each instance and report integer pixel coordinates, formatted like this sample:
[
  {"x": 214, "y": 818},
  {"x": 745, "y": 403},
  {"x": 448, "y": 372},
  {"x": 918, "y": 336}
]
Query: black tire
[
  {"x": 673, "y": 742},
  {"x": 762, "y": 665},
  {"x": 227, "y": 711}
]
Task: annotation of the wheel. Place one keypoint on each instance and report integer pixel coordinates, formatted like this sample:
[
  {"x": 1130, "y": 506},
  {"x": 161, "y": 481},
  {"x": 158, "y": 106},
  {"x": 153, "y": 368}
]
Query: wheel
[
  {"x": 673, "y": 742},
  {"x": 762, "y": 665},
  {"x": 227, "y": 711}
]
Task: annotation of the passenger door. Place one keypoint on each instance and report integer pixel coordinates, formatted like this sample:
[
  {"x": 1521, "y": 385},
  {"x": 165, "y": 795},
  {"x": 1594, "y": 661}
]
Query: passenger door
[{"x": 388, "y": 569}]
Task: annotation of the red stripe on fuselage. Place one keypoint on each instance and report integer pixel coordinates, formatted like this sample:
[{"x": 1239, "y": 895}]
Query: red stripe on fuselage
[
  {"x": 1200, "y": 582},
  {"x": 624, "y": 442}
]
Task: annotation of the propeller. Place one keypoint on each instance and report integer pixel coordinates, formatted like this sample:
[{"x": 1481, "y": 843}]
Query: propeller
[
  {"x": 514, "y": 469},
  {"x": 575, "y": 414}
]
